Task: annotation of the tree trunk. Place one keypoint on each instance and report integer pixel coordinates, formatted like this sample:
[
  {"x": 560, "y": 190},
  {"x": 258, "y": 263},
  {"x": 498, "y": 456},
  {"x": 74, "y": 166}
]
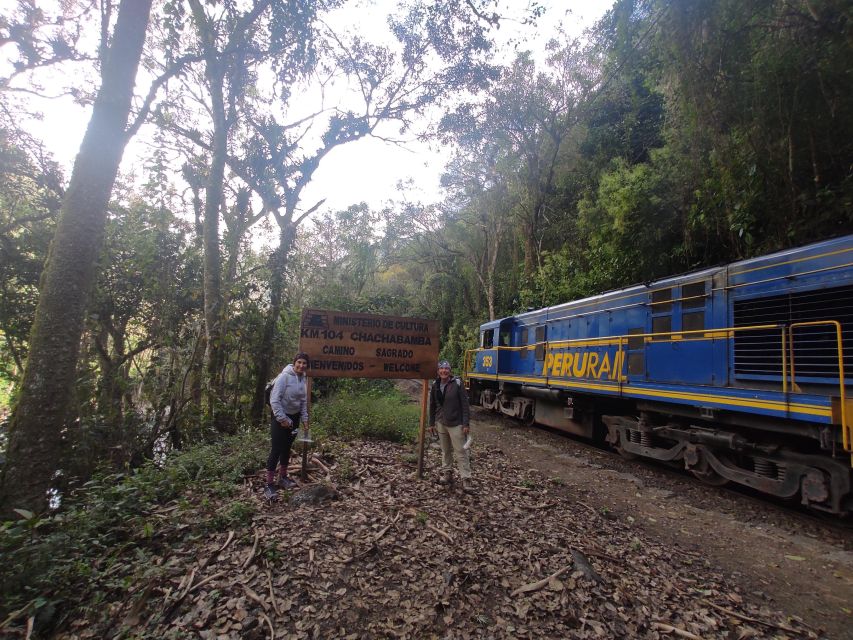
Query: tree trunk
[
  {"x": 530, "y": 230},
  {"x": 35, "y": 435},
  {"x": 212, "y": 253},
  {"x": 278, "y": 264},
  {"x": 214, "y": 73},
  {"x": 113, "y": 378}
]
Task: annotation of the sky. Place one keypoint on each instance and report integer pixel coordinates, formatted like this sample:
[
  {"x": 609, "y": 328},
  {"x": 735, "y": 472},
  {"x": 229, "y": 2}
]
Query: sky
[{"x": 368, "y": 170}]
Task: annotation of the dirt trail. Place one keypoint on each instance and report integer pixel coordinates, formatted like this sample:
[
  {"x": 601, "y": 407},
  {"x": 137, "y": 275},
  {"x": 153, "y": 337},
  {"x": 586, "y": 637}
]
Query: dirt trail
[{"x": 801, "y": 566}]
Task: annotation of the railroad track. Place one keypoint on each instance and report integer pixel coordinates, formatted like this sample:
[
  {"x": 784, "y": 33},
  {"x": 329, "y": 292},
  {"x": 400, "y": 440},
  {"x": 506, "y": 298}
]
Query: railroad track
[
  {"x": 824, "y": 522},
  {"x": 736, "y": 493}
]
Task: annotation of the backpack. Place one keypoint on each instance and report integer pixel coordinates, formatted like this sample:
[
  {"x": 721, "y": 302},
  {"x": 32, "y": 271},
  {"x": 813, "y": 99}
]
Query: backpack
[
  {"x": 460, "y": 391},
  {"x": 268, "y": 392}
]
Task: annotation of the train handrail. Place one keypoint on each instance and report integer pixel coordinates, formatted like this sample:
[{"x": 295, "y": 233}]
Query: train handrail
[
  {"x": 616, "y": 339},
  {"x": 466, "y": 366},
  {"x": 845, "y": 427}
]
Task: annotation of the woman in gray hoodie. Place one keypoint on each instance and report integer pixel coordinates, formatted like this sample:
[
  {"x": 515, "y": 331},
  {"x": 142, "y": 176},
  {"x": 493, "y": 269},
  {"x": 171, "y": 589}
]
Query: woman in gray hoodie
[{"x": 289, "y": 402}]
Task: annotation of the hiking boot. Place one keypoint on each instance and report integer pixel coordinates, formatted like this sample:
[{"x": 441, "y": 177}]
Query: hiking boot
[
  {"x": 446, "y": 478},
  {"x": 287, "y": 484},
  {"x": 467, "y": 485},
  {"x": 270, "y": 492}
]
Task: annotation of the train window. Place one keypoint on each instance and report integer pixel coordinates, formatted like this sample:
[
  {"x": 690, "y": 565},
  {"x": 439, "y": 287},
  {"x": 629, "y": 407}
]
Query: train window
[
  {"x": 636, "y": 357},
  {"x": 503, "y": 338},
  {"x": 693, "y": 321},
  {"x": 662, "y": 301},
  {"x": 540, "y": 343},
  {"x": 636, "y": 363},
  {"x": 488, "y": 338},
  {"x": 661, "y": 324},
  {"x": 523, "y": 337},
  {"x": 636, "y": 343},
  {"x": 693, "y": 296}
]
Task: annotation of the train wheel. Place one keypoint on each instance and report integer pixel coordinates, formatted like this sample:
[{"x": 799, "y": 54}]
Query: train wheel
[{"x": 710, "y": 477}]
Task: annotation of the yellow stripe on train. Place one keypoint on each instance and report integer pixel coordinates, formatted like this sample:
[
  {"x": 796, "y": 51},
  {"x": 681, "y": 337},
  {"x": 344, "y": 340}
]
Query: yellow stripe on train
[{"x": 802, "y": 409}]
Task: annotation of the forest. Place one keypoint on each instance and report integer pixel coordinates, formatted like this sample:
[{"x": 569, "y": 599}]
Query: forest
[{"x": 144, "y": 312}]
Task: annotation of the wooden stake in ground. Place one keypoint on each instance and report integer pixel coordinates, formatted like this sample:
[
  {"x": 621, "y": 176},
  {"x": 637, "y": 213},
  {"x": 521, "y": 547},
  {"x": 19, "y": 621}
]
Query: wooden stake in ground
[
  {"x": 422, "y": 430},
  {"x": 303, "y": 474}
]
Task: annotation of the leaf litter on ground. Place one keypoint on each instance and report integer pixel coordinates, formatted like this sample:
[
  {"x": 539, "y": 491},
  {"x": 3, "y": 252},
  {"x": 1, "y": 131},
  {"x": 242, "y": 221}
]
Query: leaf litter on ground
[{"x": 385, "y": 555}]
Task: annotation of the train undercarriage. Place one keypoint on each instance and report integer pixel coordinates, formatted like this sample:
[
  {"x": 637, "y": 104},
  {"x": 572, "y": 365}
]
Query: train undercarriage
[{"x": 789, "y": 461}]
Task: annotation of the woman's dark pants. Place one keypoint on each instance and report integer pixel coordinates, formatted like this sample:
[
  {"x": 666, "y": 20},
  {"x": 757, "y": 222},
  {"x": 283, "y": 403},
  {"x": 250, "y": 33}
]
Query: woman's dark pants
[{"x": 281, "y": 441}]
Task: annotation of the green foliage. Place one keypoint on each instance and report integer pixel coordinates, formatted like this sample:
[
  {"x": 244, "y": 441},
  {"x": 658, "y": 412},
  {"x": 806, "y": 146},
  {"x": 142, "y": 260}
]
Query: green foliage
[
  {"x": 409, "y": 458},
  {"x": 272, "y": 552},
  {"x": 345, "y": 471},
  {"x": 461, "y": 336},
  {"x": 104, "y": 532},
  {"x": 559, "y": 278},
  {"x": 716, "y": 135},
  {"x": 760, "y": 95},
  {"x": 633, "y": 213},
  {"x": 29, "y": 205},
  {"x": 367, "y": 409}
]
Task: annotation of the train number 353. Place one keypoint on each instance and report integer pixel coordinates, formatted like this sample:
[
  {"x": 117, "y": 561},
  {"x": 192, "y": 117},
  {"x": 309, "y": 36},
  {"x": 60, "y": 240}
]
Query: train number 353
[{"x": 487, "y": 361}]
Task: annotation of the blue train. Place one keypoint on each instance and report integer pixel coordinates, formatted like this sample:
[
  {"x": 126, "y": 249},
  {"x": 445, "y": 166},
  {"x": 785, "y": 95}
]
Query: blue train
[{"x": 740, "y": 373}]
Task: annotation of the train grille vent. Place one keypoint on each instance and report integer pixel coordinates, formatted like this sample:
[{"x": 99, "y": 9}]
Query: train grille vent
[{"x": 759, "y": 353}]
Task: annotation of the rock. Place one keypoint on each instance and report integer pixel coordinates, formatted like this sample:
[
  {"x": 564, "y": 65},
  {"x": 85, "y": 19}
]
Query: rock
[
  {"x": 44, "y": 617},
  {"x": 314, "y": 494}
]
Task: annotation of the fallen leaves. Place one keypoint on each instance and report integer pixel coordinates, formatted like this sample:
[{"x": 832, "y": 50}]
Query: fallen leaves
[{"x": 394, "y": 557}]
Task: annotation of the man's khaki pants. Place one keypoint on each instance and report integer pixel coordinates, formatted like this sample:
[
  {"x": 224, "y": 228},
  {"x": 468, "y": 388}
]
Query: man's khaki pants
[{"x": 452, "y": 439}]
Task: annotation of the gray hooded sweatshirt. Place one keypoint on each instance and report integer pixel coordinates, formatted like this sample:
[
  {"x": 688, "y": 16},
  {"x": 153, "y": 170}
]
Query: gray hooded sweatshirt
[{"x": 289, "y": 395}]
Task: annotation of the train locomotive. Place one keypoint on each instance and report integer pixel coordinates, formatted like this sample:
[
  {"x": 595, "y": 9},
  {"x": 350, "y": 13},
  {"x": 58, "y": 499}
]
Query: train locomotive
[{"x": 740, "y": 373}]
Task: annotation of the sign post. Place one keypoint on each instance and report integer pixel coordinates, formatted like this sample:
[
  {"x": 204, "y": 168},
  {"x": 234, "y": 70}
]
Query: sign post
[
  {"x": 343, "y": 344},
  {"x": 304, "y": 473},
  {"x": 422, "y": 429}
]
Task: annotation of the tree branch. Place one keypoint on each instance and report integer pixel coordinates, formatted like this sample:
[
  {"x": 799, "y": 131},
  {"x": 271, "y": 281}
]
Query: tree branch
[
  {"x": 309, "y": 212},
  {"x": 170, "y": 73}
]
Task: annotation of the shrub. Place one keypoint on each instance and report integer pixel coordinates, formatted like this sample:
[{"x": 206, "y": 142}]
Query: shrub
[
  {"x": 107, "y": 531},
  {"x": 367, "y": 409},
  {"x": 50, "y": 562}
]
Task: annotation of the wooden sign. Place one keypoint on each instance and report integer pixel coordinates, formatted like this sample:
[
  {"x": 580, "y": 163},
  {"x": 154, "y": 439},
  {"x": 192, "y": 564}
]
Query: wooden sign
[{"x": 342, "y": 344}]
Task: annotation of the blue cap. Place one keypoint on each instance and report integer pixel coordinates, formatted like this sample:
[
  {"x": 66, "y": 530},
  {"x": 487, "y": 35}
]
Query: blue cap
[{"x": 444, "y": 364}]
